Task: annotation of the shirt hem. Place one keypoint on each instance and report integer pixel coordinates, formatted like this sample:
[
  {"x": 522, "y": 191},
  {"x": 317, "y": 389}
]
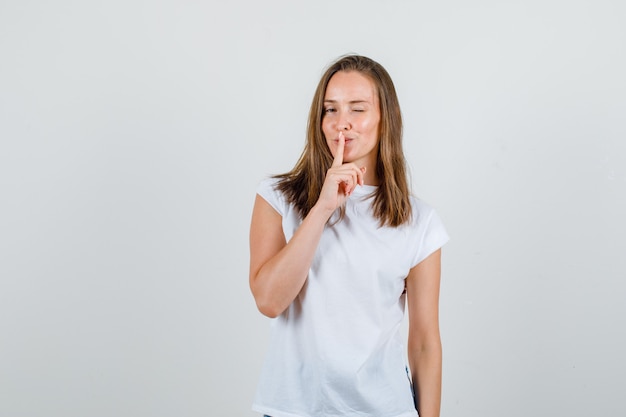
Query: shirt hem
[{"x": 277, "y": 413}]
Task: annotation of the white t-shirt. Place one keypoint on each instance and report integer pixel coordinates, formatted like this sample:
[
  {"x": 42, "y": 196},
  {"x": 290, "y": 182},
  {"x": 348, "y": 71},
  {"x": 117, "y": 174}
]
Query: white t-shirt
[{"x": 337, "y": 350}]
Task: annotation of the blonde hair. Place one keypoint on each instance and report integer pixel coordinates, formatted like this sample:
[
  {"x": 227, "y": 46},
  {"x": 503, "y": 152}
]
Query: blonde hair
[{"x": 303, "y": 184}]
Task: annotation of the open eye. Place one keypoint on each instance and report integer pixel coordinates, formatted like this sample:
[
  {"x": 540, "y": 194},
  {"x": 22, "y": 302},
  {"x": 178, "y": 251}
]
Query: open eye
[{"x": 329, "y": 110}]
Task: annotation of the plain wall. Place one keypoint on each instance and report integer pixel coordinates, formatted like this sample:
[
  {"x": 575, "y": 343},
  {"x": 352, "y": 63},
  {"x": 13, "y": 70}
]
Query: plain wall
[{"x": 132, "y": 137}]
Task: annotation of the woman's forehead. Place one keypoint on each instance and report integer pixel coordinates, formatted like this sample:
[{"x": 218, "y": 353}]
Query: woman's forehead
[{"x": 350, "y": 86}]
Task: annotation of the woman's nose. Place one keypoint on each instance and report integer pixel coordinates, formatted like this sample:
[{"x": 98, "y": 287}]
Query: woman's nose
[{"x": 343, "y": 123}]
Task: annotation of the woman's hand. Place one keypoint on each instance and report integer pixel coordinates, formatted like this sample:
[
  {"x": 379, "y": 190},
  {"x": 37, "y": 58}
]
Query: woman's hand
[{"x": 341, "y": 180}]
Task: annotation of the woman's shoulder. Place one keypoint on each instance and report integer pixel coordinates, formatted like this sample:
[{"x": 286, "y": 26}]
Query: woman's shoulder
[
  {"x": 428, "y": 227},
  {"x": 267, "y": 183},
  {"x": 420, "y": 206},
  {"x": 268, "y": 189},
  {"x": 422, "y": 211}
]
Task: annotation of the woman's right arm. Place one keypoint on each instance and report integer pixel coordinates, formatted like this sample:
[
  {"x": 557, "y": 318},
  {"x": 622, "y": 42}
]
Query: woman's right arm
[{"x": 278, "y": 269}]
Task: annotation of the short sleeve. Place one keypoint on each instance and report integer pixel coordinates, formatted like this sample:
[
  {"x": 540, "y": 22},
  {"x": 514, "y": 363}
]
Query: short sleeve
[
  {"x": 432, "y": 234},
  {"x": 267, "y": 189}
]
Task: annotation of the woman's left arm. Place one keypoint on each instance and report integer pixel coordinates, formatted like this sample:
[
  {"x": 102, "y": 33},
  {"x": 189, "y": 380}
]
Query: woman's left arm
[{"x": 424, "y": 343}]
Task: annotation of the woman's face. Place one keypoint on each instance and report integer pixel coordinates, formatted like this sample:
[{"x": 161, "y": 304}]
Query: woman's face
[{"x": 351, "y": 106}]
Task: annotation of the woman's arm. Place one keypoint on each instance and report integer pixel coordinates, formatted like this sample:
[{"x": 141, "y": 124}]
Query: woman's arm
[
  {"x": 279, "y": 269},
  {"x": 424, "y": 343}
]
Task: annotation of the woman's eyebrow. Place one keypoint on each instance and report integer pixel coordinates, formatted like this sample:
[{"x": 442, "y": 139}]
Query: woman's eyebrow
[{"x": 351, "y": 101}]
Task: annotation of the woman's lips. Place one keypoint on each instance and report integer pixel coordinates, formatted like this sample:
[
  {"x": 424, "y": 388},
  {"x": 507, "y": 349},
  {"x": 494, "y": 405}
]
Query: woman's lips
[{"x": 346, "y": 140}]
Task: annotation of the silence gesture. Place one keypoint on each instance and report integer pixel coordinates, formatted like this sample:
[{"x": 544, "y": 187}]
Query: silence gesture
[{"x": 341, "y": 179}]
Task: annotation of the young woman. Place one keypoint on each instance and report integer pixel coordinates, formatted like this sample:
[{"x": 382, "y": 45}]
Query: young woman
[{"x": 337, "y": 245}]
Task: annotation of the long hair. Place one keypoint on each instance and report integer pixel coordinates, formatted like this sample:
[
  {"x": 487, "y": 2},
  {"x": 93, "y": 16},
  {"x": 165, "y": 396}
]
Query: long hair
[{"x": 303, "y": 184}]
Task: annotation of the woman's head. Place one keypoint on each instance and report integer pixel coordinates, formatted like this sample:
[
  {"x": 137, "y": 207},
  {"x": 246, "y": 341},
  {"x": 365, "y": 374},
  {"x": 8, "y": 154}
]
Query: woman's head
[
  {"x": 389, "y": 130},
  {"x": 351, "y": 109}
]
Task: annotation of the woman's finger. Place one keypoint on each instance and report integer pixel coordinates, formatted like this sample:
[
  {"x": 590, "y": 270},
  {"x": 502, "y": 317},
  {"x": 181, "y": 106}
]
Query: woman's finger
[{"x": 341, "y": 142}]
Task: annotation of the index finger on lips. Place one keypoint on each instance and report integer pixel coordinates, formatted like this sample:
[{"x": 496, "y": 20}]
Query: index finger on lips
[{"x": 338, "y": 161}]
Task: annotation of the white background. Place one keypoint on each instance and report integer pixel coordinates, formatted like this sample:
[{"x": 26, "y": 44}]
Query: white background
[{"x": 132, "y": 137}]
